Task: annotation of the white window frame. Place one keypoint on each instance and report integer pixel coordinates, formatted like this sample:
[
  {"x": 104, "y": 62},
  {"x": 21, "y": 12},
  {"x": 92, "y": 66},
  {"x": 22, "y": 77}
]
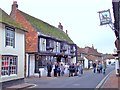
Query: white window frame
[
  {"x": 9, "y": 37},
  {"x": 9, "y": 65}
]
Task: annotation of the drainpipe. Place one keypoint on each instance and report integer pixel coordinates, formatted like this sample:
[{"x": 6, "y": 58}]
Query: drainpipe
[
  {"x": 28, "y": 65},
  {"x": 119, "y": 35}
]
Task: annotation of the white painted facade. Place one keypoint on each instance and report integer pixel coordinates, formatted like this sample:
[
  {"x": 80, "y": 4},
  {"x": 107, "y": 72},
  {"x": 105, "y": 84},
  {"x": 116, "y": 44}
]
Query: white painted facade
[
  {"x": 116, "y": 66},
  {"x": 18, "y": 51},
  {"x": 86, "y": 62},
  {"x": 110, "y": 60}
]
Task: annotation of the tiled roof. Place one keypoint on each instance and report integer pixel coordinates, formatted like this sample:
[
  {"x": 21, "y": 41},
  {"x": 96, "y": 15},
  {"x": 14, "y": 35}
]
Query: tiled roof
[
  {"x": 108, "y": 56},
  {"x": 91, "y": 57},
  {"x": 6, "y": 19},
  {"x": 89, "y": 51},
  {"x": 46, "y": 28}
]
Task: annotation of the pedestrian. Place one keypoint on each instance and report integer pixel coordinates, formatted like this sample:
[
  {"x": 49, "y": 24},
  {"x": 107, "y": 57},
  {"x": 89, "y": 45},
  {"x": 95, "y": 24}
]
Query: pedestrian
[
  {"x": 80, "y": 69},
  {"x": 76, "y": 69},
  {"x": 98, "y": 68},
  {"x": 73, "y": 69},
  {"x": 55, "y": 69},
  {"x": 104, "y": 67},
  {"x": 101, "y": 67},
  {"x": 70, "y": 70},
  {"x": 62, "y": 69},
  {"x": 49, "y": 69},
  {"x": 66, "y": 68},
  {"x": 94, "y": 67}
]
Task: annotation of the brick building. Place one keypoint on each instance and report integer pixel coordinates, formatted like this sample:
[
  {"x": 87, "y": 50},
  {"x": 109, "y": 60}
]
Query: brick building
[
  {"x": 44, "y": 42},
  {"x": 88, "y": 55}
]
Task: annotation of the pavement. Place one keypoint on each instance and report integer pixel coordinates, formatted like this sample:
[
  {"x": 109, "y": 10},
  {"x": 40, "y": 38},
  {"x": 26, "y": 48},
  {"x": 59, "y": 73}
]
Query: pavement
[{"x": 110, "y": 81}]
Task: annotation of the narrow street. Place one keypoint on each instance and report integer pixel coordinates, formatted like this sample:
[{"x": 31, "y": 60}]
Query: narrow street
[{"x": 87, "y": 80}]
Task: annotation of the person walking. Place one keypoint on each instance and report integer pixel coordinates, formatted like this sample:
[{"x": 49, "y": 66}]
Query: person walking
[
  {"x": 104, "y": 67},
  {"x": 62, "y": 69},
  {"x": 94, "y": 67},
  {"x": 101, "y": 67},
  {"x": 98, "y": 68},
  {"x": 80, "y": 69}
]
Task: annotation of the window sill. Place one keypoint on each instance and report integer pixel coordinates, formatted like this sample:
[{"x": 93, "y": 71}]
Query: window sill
[
  {"x": 8, "y": 75},
  {"x": 9, "y": 46}
]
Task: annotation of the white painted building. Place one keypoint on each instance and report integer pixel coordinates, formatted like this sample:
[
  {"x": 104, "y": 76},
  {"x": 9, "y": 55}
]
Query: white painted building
[
  {"x": 110, "y": 61},
  {"x": 12, "y": 50}
]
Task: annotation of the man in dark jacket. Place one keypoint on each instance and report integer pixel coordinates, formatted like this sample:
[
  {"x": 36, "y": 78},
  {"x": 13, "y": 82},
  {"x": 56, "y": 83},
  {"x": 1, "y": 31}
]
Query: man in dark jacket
[
  {"x": 94, "y": 67},
  {"x": 49, "y": 69}
]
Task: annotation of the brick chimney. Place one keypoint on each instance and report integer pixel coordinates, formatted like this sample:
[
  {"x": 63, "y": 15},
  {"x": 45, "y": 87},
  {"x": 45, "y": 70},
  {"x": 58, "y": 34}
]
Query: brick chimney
[
  {"x": 14, "y": 9},
  {"x": 67, "y": 32},
  {"x": 60, "y": 26}
]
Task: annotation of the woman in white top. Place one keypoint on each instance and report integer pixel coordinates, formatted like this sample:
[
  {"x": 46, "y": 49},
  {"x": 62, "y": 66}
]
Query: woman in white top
[
  {"x": 80, "y": 69},
  {"x": 62, "y": 68}
]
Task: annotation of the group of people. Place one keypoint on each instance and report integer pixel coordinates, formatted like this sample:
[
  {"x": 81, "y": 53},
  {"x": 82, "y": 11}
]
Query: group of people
[
  {"x": 100, "y": 67},
  {"x": 60, "y": 69},
  {"x": 74, "y": 69}
]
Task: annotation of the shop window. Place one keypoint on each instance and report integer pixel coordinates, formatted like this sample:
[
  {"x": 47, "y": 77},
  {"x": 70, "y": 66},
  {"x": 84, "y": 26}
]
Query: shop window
[{"x": 9, "y": 65}]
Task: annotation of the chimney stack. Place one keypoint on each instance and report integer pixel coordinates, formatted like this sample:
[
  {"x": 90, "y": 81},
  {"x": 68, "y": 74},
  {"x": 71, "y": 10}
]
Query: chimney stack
[
  {"x": 66, "y": 32},
  {"x": 14, "y": 9},
  {"x": 60, "y": 26}
]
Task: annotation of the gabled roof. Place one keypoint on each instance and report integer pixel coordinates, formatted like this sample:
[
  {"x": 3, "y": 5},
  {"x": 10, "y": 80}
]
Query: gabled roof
[
  {"x": 91, "y": 57},
  {"x": 6, "y": 19},
  {"x": 89, "y": 51},
  {"x": 46, "y": 28},
  {"x": 108, "y": 56}
]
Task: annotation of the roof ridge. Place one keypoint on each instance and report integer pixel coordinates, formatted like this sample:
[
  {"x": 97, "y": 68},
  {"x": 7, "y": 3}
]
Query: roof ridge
[
  {"x": 41, "y": 20},
  {"x": 46, "y": 28},
  {"x": 7, "y": 19}
]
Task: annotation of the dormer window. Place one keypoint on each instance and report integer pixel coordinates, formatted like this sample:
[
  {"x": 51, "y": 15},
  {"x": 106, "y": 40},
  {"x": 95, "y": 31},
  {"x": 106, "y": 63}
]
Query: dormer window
[{"x": 10, "y": 37}]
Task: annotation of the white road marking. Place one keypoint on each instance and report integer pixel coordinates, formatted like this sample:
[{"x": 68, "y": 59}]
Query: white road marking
[{"x": 99, "y": 85}]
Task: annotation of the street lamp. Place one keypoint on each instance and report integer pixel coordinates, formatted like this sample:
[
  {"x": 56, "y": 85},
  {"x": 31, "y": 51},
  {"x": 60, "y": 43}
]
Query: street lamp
[{"x": 106, "y": 19}]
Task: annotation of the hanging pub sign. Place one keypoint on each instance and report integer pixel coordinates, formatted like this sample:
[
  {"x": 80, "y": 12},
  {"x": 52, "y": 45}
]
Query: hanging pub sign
[{"x": 105, "y": 17}]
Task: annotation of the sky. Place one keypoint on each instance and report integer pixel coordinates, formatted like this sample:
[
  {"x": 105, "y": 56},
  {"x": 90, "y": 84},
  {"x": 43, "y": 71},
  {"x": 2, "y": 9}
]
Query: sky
[{"x": 78, "y": 17}]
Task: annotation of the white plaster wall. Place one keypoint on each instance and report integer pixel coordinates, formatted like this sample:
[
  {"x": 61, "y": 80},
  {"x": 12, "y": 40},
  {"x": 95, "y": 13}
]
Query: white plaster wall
[
  {"x": 1, "y": 40},
  {"x": 26, "y": 65},
  {"x": 41, "y": 45},
  {"x": 73, "y": 60},
  {"x": 19, "y": 51},
  {"x": 85, "y": 63},
  {"x": 32, "y": 65},
  {"x": 116, "y": 66},
  {"x": 110, "y": 60}
]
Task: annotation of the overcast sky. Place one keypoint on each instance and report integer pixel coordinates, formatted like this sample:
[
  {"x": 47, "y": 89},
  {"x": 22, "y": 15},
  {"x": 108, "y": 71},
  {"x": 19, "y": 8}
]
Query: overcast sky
[{"x": 79, "y": 17}]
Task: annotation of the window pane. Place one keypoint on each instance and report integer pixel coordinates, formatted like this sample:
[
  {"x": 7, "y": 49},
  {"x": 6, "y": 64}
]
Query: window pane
[
  {"x": 9, "y": 65},
  {"x": 10, "y": 35}
]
